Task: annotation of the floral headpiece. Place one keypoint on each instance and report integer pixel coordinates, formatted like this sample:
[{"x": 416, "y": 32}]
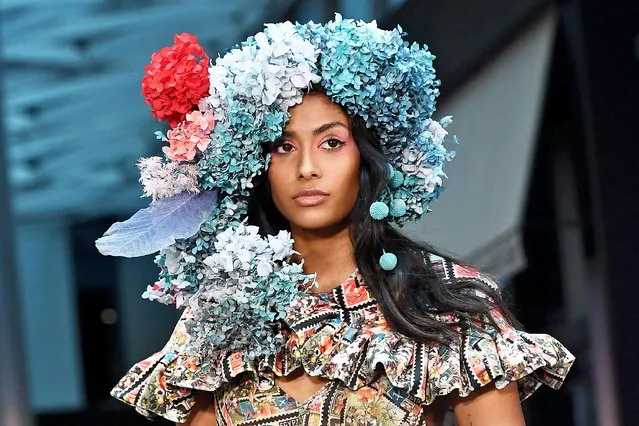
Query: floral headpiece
[{"x": 236, "y": 282}]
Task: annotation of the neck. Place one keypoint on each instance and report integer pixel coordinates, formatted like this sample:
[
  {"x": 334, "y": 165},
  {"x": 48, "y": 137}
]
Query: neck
[{"x": 327, "y": 253}]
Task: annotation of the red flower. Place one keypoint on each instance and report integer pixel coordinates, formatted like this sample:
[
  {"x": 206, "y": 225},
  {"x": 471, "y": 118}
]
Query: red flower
[{"x": 176, "y": 79}]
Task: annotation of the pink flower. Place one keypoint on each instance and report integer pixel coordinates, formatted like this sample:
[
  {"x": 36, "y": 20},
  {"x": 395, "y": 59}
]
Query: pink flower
[{"x": 189, "y": 136}]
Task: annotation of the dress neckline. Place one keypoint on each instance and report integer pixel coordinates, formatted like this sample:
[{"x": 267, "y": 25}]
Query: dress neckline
[
  {"x": 350, "y": 295},
  {"x": 353, "y": 280}
]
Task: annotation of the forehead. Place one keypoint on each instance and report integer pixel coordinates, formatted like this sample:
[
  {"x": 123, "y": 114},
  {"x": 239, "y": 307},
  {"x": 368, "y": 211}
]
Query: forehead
[{"x": 316, "y": 109}]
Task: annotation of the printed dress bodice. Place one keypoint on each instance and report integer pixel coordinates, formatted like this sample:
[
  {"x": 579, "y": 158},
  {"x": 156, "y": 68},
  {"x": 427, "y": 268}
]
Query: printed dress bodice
[{"x": 375, "y": 375}]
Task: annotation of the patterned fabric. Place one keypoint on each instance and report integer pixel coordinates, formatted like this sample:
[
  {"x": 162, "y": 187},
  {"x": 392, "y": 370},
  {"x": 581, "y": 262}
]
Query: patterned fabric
[
  {"x": 343, "y": 336},
  {"x": 253, "y": 403}
]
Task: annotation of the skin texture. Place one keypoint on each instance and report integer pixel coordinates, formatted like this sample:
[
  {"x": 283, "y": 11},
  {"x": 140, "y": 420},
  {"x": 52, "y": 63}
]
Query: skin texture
[
  {"x": 490, "y": 407},
  {"x": 203, "y": 412},
  {"x": 317, "y": 151}
]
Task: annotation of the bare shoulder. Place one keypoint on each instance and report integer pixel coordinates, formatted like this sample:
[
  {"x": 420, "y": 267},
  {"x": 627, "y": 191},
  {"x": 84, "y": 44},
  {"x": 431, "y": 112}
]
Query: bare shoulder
[
  {"x": 435, "y": 413},
  {"x": 203, "y": 412},
  {"x": 490, "y": 406}
]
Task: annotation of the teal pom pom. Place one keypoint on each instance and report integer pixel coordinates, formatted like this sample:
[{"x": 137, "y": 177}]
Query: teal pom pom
[
  {"x": 398, "y": 208},
  {"x": 390, "y": 170},
  {"x": 396, "y": 180},
  {"x": 388, "y": 261},
  {"x": 378, "y": 210}
]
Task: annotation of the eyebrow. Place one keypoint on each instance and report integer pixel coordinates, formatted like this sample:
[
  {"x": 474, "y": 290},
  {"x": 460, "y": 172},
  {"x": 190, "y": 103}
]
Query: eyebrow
[{"x": 321, "y": 129}]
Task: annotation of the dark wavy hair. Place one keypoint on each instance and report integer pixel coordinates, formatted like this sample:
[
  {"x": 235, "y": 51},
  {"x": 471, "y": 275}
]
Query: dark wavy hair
[{"x": 410, "y": 294}]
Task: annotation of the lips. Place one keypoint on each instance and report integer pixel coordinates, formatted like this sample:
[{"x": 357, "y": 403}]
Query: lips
[
  {"x": 310, "y": 197},
  {"x": 309, "y": 193}
]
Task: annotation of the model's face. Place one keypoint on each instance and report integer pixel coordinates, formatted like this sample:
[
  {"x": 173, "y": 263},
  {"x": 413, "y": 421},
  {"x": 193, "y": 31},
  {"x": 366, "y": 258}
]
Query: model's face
[{"x": 315, "y": 152}]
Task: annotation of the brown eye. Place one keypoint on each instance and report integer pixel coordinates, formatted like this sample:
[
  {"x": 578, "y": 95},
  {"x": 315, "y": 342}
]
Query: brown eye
[
  {"x": 332, "y": 144},
  {"x": 282, "y": 147}
]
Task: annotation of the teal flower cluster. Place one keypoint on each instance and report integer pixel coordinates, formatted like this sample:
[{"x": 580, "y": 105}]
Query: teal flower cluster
[
  {"x": 235, "y": 156},
  {"x": 377, "y": 75},
  {"x": 416, "y": 172},
  {"x": 246, "y": 288},
  {"x": 181, "y": 264}
]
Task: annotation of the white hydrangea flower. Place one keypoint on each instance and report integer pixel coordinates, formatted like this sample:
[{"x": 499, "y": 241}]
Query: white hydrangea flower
[
  {"x": 281, "y": 245},
  {"x": 219, "y": 261},
  {"x": 224, "y": 237},
  {"x": 264, "y": 268},
  {"x": 243, "y": 248},
  {"x": 274, "y": 70},
  {"x": 252, "y": 230},
  {"x": 432, "y": 181},
  {"x": 437, "y": 131},
  {"x": 280, "y": 32},
  {"x": 163, "y": 180},
  {"x": 240, "y": 296},
  {"x": 180, "y": 283},
  {"x": 245, "y": 256},
  {"x": 414, "y": 163},
  {"x": 172, "y": 260},
  {"x": 181, "y": 300}
]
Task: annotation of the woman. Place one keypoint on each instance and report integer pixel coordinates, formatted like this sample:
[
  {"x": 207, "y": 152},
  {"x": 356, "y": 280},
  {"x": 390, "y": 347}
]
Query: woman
[{"x": 390, "y": 332}]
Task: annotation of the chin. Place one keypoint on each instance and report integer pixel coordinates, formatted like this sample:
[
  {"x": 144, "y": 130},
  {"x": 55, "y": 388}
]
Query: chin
[{"x": 319, "y": 222}]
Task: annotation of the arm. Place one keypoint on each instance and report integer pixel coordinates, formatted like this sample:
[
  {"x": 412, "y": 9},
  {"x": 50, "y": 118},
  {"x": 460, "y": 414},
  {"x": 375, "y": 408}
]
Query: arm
[
  {"x": 490, "y": 406},
  {"x": 203, "y": 412}
]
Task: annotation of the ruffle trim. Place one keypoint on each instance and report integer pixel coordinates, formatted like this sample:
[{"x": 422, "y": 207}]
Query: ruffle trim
[
  {"x": 333, "y": 349},
  {"x": 163, "y": 385},
  {"x": 345, "y": 337}
]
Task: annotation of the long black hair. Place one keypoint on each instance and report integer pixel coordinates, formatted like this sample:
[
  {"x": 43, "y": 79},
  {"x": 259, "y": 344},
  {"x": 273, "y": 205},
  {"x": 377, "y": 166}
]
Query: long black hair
[{"x": 414, "y": 291}]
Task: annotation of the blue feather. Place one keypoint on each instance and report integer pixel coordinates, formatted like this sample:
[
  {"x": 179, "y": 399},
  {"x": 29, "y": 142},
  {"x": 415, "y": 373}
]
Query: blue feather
[{"x": 158, "y": 226}]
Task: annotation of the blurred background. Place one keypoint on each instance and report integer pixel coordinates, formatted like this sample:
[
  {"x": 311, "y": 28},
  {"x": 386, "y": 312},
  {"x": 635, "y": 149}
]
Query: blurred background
[{"x": 543, "y": 191}]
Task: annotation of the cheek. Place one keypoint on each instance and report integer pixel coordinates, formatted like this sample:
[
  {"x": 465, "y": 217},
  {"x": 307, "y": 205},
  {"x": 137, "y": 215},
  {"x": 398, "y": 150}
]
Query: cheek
[
  {"x": 273, "y": 179},
  {"x": 347, "y": 172},
  {"x": 352, "y": 164},
  {"x": 276, "y": 184}
]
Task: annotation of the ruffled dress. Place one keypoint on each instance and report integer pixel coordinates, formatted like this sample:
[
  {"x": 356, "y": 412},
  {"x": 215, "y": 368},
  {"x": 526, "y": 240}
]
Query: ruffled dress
[{"x": 376, "y": 375}]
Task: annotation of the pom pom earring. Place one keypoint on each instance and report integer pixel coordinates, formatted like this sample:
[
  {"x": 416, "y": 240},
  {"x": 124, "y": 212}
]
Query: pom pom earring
[
  {"x": 398, "y": 208},
  {"x": 378, "y": 210},
  {"x": 388, "y": 261},
  {"x": 396, "y": 180}
]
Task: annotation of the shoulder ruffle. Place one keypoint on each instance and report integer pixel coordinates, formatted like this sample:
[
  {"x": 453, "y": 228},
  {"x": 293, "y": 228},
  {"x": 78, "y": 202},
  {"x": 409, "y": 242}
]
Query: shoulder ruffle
[
  {"x": 163, "y": 385},
  {"x": 343, "y": 336},
  {"x": 352, "y": 342}
]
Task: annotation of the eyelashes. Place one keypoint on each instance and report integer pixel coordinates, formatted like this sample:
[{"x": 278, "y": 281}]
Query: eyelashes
[
  {"x": 279, "y": 144},
  {"x": 284, "y": 147},
  {"x": 339, "y": 143}
]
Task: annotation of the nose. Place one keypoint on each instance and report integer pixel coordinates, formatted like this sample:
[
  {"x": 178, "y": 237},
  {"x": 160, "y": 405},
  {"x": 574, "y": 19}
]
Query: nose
[{"x": 308, "y": 167}]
